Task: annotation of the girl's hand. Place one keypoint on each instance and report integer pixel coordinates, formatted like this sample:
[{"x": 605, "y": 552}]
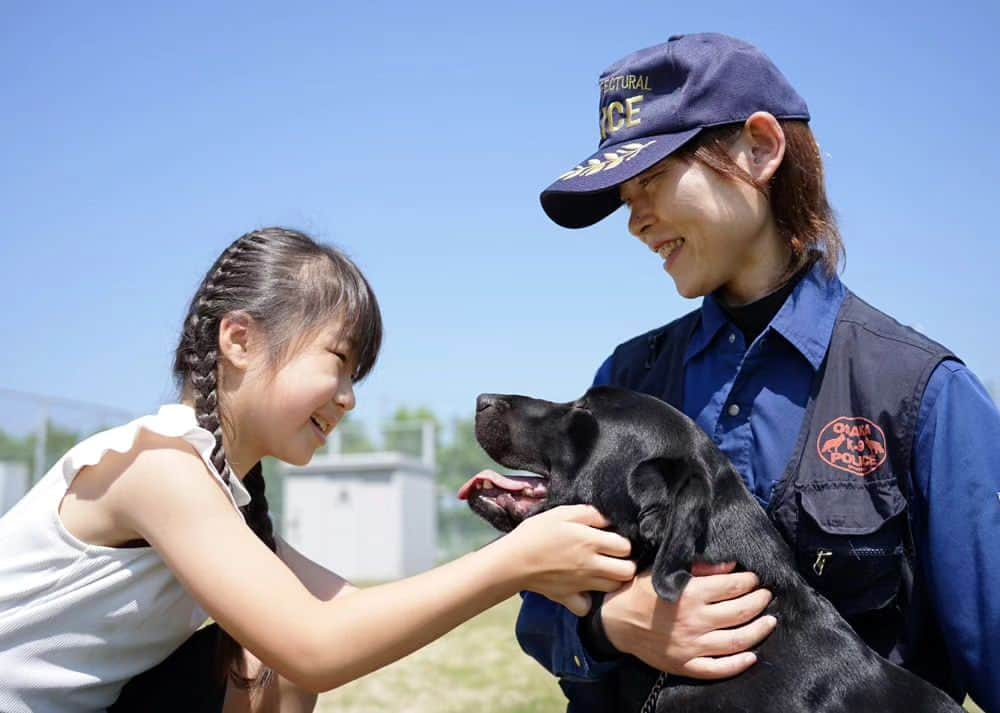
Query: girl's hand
[
  {"x": 563, "y": 555},
  {"x": 706, "y": 634}
]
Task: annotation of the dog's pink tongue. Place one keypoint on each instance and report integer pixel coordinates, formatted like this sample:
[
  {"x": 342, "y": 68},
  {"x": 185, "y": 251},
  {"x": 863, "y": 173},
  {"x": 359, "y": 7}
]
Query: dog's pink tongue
[{"x": 497, "y": 480}]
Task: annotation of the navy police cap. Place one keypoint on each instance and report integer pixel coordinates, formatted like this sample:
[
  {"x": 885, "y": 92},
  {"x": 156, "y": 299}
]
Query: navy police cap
[{"x": 654, "y": 101}]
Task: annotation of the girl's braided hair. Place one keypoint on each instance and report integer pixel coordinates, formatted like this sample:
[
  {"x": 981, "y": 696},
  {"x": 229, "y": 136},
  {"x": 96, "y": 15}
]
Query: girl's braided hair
[{"x": 289, "y": 285}]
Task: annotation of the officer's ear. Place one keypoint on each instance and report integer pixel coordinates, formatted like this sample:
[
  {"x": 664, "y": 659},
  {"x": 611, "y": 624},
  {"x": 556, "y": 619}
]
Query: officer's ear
[
  {"x": 760, "y": 147},
  {"x": 674, "y": 497}
]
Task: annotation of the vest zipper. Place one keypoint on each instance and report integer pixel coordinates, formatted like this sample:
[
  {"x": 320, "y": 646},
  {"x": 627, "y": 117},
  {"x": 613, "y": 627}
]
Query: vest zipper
[{"x": 821, "y": 558}]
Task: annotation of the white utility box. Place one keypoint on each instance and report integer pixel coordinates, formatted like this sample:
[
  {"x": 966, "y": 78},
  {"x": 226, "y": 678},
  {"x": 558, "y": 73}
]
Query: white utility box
[{"x": 366, "y": 516}]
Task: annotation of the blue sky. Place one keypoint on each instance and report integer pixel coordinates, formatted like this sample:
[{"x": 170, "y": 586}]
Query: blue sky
[{"x": 140, "y": 139}]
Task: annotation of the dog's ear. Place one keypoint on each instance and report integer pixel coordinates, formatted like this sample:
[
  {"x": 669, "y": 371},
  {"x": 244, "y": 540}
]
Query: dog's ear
[{"x": 674, "y": 497}]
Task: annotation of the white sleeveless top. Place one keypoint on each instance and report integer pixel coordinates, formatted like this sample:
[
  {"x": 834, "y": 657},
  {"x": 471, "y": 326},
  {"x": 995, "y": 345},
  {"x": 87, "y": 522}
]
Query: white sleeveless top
[{"x": 77, "y": 621}]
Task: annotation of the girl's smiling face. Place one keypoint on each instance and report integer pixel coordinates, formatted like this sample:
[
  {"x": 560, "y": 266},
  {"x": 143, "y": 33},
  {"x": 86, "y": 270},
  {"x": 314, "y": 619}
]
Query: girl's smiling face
[
  {"x": 286, "y": 411},
  {"x": 713, "y": 232},
  {"x": 309, "y": 395}
]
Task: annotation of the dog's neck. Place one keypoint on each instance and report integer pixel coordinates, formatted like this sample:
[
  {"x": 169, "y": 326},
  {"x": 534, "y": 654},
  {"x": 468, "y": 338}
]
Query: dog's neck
[{"x": 735, "y": 511}]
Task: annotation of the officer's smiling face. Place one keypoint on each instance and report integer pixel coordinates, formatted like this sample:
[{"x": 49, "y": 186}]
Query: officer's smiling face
[{"x": 713, "y": 232}]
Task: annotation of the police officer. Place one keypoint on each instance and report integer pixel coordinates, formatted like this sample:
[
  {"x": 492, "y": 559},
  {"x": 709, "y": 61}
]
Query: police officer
[{"x": 871, "y": 447}]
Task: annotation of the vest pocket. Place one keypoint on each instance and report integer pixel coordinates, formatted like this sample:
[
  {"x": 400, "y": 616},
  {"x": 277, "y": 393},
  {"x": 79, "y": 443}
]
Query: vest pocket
[{"x": 850, "y": 542}]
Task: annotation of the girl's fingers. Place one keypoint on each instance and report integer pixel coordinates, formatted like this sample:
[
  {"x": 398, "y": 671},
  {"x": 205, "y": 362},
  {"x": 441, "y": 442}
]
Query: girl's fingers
[
  {"x": 620, "y": 570},
  {"x": 578, "y": 603},
  {"x": 608, "y": 543},
  {"x": 583, "y": 514},
  {"x": 602, "y": 584}
]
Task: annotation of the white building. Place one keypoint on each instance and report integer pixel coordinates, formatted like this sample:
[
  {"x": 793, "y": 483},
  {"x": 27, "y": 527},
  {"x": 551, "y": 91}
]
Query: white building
[
  {"x": 14, "y": 483},
  {"x": 366, "y": 516}
]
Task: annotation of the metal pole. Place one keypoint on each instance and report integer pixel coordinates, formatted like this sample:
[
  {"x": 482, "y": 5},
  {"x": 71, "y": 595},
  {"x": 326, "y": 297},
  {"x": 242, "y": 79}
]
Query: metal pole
[
  {"x": 40, "y": 443},
  {"x": 427, "y": 449}
]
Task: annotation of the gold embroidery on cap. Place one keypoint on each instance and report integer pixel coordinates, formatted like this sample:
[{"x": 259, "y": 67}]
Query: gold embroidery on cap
[
  {"x": 625, "y": 82},
  {"x": 617, "y": 116},
  {"x": 611, "y": 160},
  {"x": 632, "y": 111}
]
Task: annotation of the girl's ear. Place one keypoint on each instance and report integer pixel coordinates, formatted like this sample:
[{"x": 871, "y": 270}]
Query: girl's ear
[
  {"x": 235, "y": 337},
  {"x": 760, "y": 147}
]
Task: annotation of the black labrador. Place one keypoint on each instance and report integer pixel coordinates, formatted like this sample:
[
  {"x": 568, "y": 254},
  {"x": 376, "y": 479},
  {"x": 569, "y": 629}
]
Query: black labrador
[{"x": 665, "y": 486}]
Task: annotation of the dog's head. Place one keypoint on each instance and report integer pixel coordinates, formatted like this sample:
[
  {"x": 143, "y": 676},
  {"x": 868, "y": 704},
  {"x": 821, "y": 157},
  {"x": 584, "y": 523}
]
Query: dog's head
[{"x": 647, "y": 467}]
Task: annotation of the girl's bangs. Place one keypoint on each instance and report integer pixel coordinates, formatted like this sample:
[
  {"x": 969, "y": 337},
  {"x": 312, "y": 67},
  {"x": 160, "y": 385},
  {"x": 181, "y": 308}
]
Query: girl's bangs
[{"x": 351, "y": 297}]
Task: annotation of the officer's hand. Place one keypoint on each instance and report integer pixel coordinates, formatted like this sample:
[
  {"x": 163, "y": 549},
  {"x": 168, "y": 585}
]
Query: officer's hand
[{"x": 696, "y": 636}]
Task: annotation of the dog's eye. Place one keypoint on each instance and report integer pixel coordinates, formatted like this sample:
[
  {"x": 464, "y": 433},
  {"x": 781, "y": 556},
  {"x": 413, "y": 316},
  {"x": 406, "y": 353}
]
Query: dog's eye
[{"x": 582, "y": 429}]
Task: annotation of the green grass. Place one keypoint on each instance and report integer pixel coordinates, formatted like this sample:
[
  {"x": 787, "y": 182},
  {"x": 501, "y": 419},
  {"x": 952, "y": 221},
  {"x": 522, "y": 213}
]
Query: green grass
[{"x": 477, "y": 667}]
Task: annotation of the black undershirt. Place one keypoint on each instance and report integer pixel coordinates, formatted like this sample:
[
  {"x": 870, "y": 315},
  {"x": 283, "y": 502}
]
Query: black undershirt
[{"x": 753, "y": 318}]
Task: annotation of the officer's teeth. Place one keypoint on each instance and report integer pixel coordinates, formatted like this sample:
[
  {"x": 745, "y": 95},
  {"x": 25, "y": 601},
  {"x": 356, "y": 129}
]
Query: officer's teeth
[{"x": 668, "y": 248}]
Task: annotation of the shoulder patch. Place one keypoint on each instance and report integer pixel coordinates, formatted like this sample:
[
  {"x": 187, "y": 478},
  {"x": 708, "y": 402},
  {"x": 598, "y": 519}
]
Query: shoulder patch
[{"x": 853, "y": 444}]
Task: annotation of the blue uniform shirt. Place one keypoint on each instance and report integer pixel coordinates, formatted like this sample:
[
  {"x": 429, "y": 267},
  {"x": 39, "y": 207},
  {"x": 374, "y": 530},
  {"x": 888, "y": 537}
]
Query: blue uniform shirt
[{"x": 751, "y": 399}]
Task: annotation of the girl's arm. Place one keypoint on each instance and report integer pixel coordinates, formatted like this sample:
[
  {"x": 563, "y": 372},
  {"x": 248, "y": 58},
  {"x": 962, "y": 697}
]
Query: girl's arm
[
  {"x": 320, "y": 581},
  {"x": 166, "y": 496},
  {"x": 281, "y": 694}
]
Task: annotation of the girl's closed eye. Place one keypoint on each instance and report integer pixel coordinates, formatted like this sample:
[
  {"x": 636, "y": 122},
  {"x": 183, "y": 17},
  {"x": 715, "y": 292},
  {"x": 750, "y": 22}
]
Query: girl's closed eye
[{"x": 345, "y": 355}]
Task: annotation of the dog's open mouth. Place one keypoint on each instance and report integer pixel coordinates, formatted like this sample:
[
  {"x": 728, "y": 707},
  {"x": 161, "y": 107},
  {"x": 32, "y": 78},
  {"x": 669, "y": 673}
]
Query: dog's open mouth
[{"x": 505, "y": 500}]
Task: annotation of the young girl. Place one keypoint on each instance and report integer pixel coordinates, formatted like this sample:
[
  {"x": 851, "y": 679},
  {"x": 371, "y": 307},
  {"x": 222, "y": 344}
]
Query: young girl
[
  {"x": 117, "y": 555},
  {"x": 863, "y": 439}
]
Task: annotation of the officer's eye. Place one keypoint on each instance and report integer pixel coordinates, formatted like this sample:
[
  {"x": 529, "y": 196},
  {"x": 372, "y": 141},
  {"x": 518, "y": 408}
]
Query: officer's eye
[{"x": 645, "y": 180}]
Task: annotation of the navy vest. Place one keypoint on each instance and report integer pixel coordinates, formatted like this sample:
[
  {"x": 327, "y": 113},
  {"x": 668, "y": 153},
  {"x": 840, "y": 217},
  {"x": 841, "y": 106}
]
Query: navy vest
[{"x": 843, "y": 502}]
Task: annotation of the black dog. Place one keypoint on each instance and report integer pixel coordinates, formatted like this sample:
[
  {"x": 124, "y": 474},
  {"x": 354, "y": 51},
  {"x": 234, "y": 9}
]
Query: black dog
[{"x": 665, "y": 486}]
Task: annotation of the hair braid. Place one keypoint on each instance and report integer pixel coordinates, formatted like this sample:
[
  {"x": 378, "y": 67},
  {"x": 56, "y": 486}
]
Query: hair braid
[
  {"x": 203, "y": 357},
  {"x": 256, "y": 511},
  {"x": 200, "y": 355}
]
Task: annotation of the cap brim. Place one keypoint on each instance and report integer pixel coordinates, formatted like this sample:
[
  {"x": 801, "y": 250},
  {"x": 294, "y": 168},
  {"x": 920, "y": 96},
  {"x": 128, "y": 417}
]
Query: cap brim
[{"x": 589, "y": 192}]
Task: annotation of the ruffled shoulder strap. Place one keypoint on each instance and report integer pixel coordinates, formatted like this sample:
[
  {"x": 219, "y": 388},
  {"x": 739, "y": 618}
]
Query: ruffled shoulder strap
[{"x": 173, "y": 421}]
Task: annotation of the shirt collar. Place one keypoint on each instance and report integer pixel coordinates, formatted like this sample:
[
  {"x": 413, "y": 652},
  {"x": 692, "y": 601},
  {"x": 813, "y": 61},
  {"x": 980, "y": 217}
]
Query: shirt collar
[
  {"x": 713, "y": 319},
  {"x": 805, "y": 320}
]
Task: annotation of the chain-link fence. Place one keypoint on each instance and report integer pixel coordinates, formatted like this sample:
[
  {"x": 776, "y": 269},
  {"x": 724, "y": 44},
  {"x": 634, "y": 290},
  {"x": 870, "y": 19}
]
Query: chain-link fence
[
  {"x": 36, "y": 431},
  {"x": 417, "y": 439}
]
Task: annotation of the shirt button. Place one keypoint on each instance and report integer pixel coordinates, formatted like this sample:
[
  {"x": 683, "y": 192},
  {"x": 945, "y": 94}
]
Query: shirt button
[
  {"x": 733, "y": 410},
  {"x": 576, "y": 660},
  {"x": 732, "y": 337}
]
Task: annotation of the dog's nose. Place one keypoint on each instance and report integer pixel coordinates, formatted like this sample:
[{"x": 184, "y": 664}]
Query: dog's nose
[{"x": 485, "y": 401}]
